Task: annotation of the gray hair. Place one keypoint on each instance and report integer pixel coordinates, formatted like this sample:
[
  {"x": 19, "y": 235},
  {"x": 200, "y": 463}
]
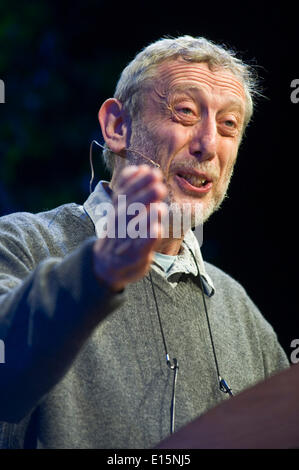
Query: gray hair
[{"x": 141, "y": 70}]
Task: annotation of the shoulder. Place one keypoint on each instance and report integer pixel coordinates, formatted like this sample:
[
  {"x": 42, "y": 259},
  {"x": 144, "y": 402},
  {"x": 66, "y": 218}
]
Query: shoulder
[
  {"x": 45, "y": 218},
  {"x": 66, "y": 224},
  {"x": 224, "y": 283},
  {"x": 235, "y": 302},
  {"x": 240, "y": 320},
  {"x": 64, "y": 215}
]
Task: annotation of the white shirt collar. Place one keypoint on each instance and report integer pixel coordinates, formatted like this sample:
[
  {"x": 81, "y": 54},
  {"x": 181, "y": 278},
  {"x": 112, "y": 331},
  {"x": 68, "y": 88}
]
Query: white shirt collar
[{"x": 184, "y": 262}]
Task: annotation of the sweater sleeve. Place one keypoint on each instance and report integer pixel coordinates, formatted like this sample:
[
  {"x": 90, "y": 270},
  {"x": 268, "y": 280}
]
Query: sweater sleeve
[{"x": 47, "y": 312}]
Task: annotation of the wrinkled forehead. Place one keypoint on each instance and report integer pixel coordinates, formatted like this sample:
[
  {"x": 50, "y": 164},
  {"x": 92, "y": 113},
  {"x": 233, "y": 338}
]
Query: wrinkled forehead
[{"x": 177, "y": 74}]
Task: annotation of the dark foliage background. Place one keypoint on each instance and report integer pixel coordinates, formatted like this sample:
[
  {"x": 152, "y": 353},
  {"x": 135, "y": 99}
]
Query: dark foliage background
[{"x": 60, "y": 60}]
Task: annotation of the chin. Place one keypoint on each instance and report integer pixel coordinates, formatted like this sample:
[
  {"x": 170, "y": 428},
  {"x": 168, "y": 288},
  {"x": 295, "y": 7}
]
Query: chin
[{"x": 184, "y": 215}]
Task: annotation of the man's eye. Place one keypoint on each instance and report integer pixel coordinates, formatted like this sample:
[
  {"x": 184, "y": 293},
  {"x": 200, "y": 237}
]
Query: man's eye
[
  {"x": 184, "y": 113},
  {"x": 230, "y": 123},
  {"x": 186, "y": 110}
]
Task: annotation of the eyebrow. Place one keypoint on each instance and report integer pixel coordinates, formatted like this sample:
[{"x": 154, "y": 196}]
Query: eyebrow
[
  {"x": 235, "y": 103},
  {"x": 232, "y": 102}
]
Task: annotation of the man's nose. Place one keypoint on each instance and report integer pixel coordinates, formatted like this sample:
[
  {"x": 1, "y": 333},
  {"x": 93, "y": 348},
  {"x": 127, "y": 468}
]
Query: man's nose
[{"x": 203, "y": 144}]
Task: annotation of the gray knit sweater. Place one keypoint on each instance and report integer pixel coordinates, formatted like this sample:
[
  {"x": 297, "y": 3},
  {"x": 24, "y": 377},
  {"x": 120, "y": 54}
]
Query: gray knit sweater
[{"x": 85, "y": 368}]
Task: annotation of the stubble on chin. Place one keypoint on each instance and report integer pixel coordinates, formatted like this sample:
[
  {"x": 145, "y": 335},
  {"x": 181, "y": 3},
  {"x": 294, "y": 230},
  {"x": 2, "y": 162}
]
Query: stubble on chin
[{"x": 201, "y": 210}]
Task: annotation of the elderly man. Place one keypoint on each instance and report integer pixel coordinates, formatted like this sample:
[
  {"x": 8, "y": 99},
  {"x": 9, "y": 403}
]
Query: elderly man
[{"x": 118, "y": 341}]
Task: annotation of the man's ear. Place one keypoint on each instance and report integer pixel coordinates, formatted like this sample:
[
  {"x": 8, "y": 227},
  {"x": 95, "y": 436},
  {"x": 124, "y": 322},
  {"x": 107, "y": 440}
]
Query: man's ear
[{"x": 114, "y": 125}]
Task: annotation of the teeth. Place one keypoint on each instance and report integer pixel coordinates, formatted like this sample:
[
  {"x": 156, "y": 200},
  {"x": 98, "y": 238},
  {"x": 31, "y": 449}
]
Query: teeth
[{"x": 194, "y": 180}]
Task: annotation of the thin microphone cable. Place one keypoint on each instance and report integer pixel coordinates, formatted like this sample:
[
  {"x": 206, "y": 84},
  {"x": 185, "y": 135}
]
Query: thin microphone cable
[
  {"x": 127, "y": 149},
  {"x": 91, "y": 163},
  {"x": 223, "y": 385},
  {"x": 174, "y": 367}
]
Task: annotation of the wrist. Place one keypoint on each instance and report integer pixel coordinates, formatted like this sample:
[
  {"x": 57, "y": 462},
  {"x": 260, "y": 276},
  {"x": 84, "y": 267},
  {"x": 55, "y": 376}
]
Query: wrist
[{"x": 103, "y": 277}]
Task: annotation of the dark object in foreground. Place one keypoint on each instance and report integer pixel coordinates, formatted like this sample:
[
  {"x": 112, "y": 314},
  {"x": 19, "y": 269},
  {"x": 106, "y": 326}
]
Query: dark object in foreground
[{"x": 265, "y": 416}]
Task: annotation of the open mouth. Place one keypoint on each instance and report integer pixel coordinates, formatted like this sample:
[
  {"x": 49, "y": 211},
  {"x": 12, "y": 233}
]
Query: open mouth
[{"x": 193, "y": 180}]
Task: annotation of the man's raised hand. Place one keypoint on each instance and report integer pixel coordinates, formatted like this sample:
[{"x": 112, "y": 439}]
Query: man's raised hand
[{"x": 119, "y": 261}]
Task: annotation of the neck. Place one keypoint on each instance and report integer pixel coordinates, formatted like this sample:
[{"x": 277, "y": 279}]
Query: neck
[
  {"x": 169, "y": 246},
  {"x": 119, "y": 165}
]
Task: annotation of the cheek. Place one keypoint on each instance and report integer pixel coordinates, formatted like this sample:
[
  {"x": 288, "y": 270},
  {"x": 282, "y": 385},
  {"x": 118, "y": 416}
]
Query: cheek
[
  {"x": 227, "y": 156},
  {"x": 170, "y": 140}
]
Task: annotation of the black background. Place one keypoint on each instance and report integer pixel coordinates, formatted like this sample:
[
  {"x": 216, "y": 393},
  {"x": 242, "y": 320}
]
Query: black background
[{"x": 60, "y": 60}]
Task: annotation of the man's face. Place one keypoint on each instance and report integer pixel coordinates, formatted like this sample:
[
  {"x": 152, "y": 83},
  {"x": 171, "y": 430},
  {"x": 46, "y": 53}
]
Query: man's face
[{"x": 192, "y": 123}]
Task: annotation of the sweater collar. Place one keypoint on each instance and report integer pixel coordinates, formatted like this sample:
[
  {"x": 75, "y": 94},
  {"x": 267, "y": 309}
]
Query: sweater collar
[{"x": 94, "y": 206}]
